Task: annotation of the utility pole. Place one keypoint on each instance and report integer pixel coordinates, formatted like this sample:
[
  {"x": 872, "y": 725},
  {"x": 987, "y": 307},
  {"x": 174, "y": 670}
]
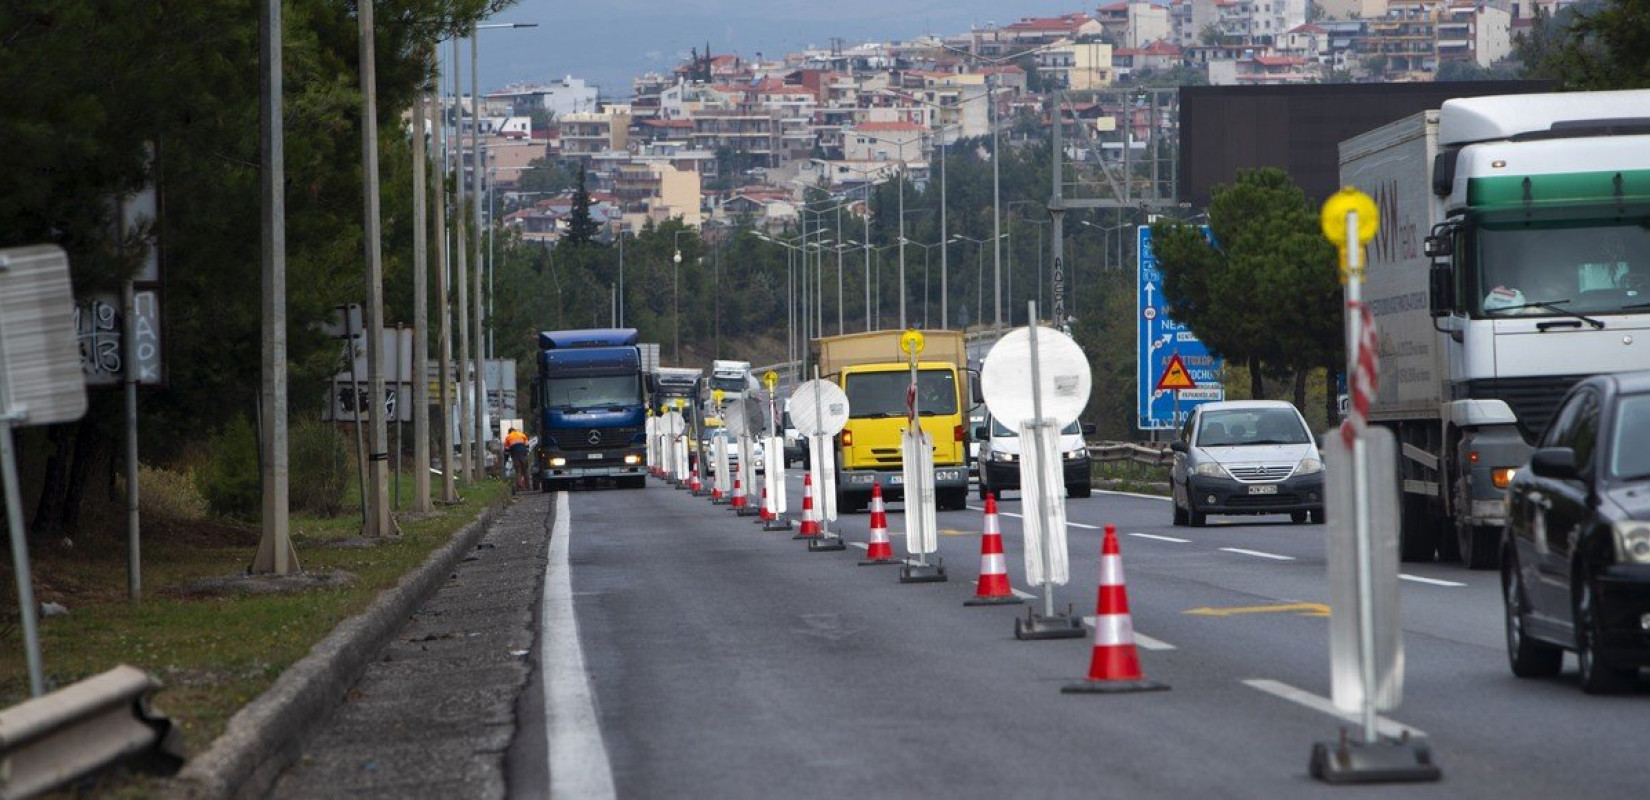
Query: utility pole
[
  {"x": 275, "y": 552},
  {"x": 421, "y": 312},
  {"x": 480, "y": 433},
  {"x": 461, "y": 247},
  {"x": 379, "y": 522},
  {"x": 449, "y": 491}
]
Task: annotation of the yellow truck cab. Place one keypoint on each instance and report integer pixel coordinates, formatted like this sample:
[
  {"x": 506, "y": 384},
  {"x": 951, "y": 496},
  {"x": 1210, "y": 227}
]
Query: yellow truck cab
[{"x": 875, "y": 374}]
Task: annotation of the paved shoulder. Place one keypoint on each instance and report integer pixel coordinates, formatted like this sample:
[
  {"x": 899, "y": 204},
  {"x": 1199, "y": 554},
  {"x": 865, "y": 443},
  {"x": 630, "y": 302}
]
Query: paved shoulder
[{"x": 435, "y": 713}]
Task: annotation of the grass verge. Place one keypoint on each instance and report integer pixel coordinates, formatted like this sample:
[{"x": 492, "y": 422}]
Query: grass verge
[{"x": 213, "y": 652}]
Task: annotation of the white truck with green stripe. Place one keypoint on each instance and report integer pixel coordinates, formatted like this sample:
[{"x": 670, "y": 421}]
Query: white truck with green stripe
[{"x": 1513, "y": 260}]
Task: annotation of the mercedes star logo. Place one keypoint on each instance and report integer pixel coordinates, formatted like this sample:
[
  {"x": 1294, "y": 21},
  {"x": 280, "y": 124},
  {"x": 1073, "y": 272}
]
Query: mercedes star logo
[{"x": 595, "y": 437}]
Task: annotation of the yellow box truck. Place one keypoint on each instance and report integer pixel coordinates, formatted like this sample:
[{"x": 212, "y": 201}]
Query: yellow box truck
[{"x": 875, "y": 373}]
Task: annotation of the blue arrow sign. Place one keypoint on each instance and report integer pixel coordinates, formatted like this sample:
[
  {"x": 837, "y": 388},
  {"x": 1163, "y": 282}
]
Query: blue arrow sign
[{"x": 1159, "y": 338}]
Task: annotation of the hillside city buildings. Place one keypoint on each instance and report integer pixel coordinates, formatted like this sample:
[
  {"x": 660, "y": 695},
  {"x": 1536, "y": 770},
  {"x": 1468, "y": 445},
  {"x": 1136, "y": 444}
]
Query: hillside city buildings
[{"x": 725, "y": 135}]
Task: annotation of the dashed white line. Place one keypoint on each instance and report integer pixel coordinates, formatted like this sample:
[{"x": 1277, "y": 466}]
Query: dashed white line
[
  {"x": 1161, "y": 538},
  {"x": 1257, "y": 554},
  {"x": 1432, "y": 581},
  {"x": 1133, "y": 494},
  {"x": 1383, "y": 725}
]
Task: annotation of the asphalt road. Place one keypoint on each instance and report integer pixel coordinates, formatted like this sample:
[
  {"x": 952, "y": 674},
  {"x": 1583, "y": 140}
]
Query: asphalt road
[
  {"x": 729, "y": 662},
  {"x": 641, "y": 644}
]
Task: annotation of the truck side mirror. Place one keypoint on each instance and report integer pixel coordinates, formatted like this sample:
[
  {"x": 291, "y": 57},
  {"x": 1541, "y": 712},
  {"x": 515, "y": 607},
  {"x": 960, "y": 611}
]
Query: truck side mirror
[
  {"x": 1439, "y": 245},
  {"x": 1441, "y": 282},
  {"x": 534, "y": 395},
  {"x": 980, "y": 432}
]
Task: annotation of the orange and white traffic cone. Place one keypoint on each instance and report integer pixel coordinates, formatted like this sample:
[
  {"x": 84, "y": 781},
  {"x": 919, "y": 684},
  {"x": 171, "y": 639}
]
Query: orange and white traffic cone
[
  {"x": 738, "y": 495},
  {"x": 993, "y": 588},
  {"x": 767, "y": 511},
  {"x": 810, "y": 522},
  {"x": 694, "y": 485},
  {"x": 880, "y": 550},
  {"x": 1115, "y": 664}
]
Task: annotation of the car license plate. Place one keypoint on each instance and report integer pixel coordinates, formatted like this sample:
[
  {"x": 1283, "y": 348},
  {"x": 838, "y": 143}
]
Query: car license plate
[
  {"x": 1265, "y": 488},
  {"x": 896, "y": 480},
  {"x": 594, "y": 456}
]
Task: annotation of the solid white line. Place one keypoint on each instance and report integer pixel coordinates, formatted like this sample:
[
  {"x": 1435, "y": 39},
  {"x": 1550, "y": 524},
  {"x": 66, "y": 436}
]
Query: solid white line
[
  {"x": 861, "y": 545},
  {"x": 1383, "y": 725},
  {"x": 1162, "y": 538},
  {"x": 1141, "y": 640},
  {"x": 579, "y": 766},
  {"x": 1071, "y": 524},
  {"x": 1433, "y": 581},
  {"x": 1022, "y": 595},
  {"x": 1257, "y": 554},
  {"x": 1132, "y": 494}
]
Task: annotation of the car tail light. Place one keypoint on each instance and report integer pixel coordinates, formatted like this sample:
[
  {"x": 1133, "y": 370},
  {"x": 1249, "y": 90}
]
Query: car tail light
[
  {"x": 957, "y": 433},
  {"x": 847, "y": 438},
  {"x": 1501, "y": 476}
]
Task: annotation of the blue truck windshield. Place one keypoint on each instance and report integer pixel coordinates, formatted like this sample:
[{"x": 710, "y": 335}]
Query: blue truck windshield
[
  {"x": 593, "y": 392},
  {"x": 872, "y": 395}
]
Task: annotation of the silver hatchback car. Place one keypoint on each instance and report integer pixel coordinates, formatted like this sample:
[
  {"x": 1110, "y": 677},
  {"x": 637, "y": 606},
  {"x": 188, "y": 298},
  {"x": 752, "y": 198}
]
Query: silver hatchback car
[{"x": 1246, "y": 457}]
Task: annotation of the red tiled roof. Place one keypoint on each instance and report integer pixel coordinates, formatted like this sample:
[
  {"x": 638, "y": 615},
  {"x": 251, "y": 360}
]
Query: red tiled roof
[{"x": 1067, "y": 22}]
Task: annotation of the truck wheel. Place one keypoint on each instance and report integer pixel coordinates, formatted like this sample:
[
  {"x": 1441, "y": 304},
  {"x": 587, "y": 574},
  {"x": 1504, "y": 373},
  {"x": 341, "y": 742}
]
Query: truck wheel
[
  {"x": 1417, "y": 534},
  {"x": 953, "y": 499},
  {"x": 1477, "y": 545},
  {"x": 1079, "y": 490}
]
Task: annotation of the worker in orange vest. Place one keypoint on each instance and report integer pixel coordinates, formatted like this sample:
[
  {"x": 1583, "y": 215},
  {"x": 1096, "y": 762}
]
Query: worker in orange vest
[{"x": 515, "y": 443}]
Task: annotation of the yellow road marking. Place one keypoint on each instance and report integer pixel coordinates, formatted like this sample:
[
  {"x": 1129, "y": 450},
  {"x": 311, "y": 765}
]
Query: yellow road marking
[{"x": 1305, "y": 609}]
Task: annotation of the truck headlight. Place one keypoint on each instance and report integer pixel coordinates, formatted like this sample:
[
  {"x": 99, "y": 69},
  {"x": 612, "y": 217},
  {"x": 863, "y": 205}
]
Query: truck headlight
[
  {"x": 633, "y": 459},
  {"x": 1633, "y": 542},
  {"x": 1309, "y": 466},
  {"x": 1501, "y": 476},
  {"x": 558, "y": 461},
  {"x": 1210, "y": 469}
]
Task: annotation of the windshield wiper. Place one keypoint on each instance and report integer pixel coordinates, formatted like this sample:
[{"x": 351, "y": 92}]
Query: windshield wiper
[{"x": 1551, "y": 305}]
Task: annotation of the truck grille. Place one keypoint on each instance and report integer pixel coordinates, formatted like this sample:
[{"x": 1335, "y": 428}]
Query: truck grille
[
  {"x": 1532, "y": 400},
  {"x": 596, "y": 438}
]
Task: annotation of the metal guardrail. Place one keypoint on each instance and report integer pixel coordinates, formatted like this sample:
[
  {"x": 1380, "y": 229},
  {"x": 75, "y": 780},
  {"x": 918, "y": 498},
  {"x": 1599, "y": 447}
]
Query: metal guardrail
[
  {"x": 1150, "y": 454},
  {"x": 55, "y": 739}
]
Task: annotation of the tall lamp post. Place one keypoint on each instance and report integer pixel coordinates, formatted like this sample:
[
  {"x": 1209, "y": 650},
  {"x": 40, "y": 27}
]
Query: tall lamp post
[
  {"x": 481, "y": 435},
  {"x": 675, "y": 281}
]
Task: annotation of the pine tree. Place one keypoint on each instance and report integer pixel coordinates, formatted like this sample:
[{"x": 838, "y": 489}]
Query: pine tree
[{"x": 581, "y": 228}]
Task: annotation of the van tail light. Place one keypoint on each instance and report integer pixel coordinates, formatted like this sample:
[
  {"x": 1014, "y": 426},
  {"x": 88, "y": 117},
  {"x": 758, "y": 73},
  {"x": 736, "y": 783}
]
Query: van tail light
[
  {"x": 957, "y": 433},
  {"x": 846, "y": 439}
]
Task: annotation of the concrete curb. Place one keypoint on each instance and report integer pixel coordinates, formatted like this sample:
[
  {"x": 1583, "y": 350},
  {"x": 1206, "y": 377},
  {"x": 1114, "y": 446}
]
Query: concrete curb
[{"x": 263, "y": 738}]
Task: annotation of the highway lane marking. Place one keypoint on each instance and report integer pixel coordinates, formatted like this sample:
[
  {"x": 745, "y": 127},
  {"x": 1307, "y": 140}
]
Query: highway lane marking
[
  {"x": 1069, "y": 523},
  {"x": 1162, "y": 538},
  {"x": 1384, "y": 726},
  {"x": 1141, "y": 640},
  {"x": 1257, "y": 554},
  {"x": 1432, "y": 581},
  {"x": 1306, "y": 609},
  {"x": 1133, "y": 494},
  {"x": 579, "y": 765}
]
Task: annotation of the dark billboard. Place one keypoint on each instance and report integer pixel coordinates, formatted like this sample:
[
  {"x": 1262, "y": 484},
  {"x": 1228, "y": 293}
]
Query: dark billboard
[{"x": 1298, "y": 128}]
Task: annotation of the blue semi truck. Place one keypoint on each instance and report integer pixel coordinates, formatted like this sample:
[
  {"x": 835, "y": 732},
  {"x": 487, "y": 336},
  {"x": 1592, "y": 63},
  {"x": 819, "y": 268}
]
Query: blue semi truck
[{"x": 589, "y": 408}]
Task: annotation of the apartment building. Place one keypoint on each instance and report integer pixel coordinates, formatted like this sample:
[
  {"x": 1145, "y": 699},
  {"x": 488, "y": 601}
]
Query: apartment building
[
  {"x": 1473, "y": 32},
  {"x": 1077, "y": 67},
  {"x": 587, "y": 133}
]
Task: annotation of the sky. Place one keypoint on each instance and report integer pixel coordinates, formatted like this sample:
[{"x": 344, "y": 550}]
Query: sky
[{"x": 609, "y": 42}]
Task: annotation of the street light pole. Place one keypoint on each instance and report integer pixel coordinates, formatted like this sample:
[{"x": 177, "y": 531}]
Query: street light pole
[{"x": 996, "y": 207}]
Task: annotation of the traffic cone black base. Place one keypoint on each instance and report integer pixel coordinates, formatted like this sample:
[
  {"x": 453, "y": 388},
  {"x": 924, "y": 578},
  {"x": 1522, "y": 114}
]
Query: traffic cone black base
[
  {"x": 777, "y": 524},
  {"x": 1057, "y": 626},
  {"x": 826, "y": 544},
  {"x": 1112, "y": 687},
  {"x": 923, "y": 573},
  {"x": 994, "y": 601}
]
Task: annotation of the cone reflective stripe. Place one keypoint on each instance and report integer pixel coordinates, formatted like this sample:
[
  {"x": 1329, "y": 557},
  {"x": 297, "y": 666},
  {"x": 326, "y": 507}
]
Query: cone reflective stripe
[
  {"x": 1114, "y": 665},
  {"x": 738, "y": 493},
  {"x": 993, "y": 588},
  {"x": 880, "y": 551},
  {"x": 810, "y": 522}
]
